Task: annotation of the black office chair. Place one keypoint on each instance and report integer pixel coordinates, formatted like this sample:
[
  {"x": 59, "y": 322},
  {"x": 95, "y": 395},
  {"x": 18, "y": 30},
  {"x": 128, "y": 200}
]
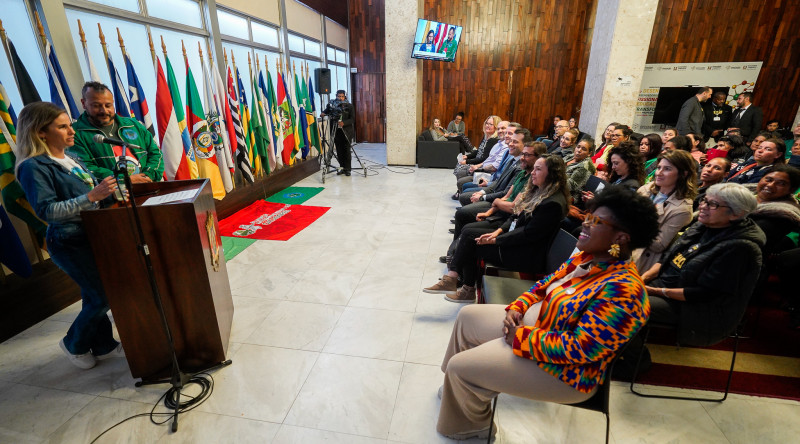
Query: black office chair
[{"x": 599, "y": 402}]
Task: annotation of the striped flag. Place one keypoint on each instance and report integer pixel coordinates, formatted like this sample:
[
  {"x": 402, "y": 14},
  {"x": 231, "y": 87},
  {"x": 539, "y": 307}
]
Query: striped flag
[
  {"x": 180, "y": 116},
  {"x": 238, "y": 134},
  {"x": 202, "y": 138},
  {"x": 216, "y": 125},
  {"x": 138, "y": 101},
  {"x": 59, "y": 90},
  {"x": 122, "y": 104},
  {"x": 176, "y": 165},
  {"x": 27, "y": 90},
  {"x": 286, "y": 121},
  {"x": 249, "y": 137}
]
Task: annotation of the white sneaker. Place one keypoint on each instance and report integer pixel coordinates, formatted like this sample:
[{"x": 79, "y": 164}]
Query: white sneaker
[
  {"x": 84, "y": 361},
  {"x": 118, "y": 352}
]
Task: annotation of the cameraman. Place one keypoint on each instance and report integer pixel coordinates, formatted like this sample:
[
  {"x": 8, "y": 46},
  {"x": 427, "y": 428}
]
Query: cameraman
[{"x": 340, "y": 109}]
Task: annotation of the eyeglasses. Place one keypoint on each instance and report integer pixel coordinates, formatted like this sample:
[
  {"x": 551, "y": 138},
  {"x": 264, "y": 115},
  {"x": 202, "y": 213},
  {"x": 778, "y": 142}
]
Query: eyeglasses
[
  {"x": 712, "y": 204},
  {"x": 614, "y": 136},
  {"x": 592, "y": 220}
]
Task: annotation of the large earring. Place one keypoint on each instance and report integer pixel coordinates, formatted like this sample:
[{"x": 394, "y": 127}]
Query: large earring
[{"x": 614, "y": 250}]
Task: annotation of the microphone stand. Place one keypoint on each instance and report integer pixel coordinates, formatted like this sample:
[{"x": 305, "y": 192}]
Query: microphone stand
[{"x": 178, "y": 379}]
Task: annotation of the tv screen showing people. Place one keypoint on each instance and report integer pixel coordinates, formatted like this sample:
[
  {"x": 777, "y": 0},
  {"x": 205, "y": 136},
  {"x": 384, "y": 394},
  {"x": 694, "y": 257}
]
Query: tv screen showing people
[{"x": 436, "y": 41}]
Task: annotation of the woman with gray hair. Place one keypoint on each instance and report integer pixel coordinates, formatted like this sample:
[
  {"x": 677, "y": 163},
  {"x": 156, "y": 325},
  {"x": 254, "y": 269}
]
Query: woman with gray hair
[{"x": 703, "y": 282}]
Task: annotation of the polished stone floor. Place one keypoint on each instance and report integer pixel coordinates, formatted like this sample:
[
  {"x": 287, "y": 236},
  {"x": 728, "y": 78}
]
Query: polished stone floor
[{"x": 333, "y": 341}]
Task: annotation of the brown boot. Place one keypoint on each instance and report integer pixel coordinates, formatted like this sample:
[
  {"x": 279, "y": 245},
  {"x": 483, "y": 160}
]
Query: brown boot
[
  {"x": 446, "y": 285},
  {"x": 464, "y": 295}
]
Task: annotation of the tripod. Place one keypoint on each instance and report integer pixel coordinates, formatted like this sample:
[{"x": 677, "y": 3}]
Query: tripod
[
  {"x": 328, "y": 128},
  {"x": 178, "y": 379}
]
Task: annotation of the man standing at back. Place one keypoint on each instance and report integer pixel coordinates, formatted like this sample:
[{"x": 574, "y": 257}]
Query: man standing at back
[
  {"x": 717, "y": 116},
  {"x": 747, "y": 117},
  {"x": 145, "y": 163},
  {"x": 691, "y": 117}
]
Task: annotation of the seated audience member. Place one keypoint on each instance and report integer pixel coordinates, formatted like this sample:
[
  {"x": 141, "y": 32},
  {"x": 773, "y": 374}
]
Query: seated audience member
[
  {"x": 668, "y": 134},
  {"x": 627, "y": 167},
  {"x": 493, "y": 160},
  {"x": 754, "y": 144},
  {"x": 551, "y": 133},
  {"x": 794, "y": 154},
  {"x": 561, "y": 127},
  {"x": 605, "y": 142},
  {"x": 437, "y": 132},
  {"x": 678, "y": 143},
  {"x": 650, "y": 148},
  {"x": 787, "y": 264},
  {"x": 732, "y": 147},
  {"x": 561, "y": 356},
  {"x": 494, "y": 208},
  {"x": 795, "y": 137},
  {"x": 778, "y": 212},
  {"x": 502, "y": 177},
  {"x": 773, "y": 125},
  {"x": 769, "y": 153},
  {"x": 478, "y": 155},
  {"x": 700, "y": 283},
  {"x": 456, "y": 127},
  {"x": 697, "y": 147},
  {"x": 580, "y": 168},
  {"x": 672, "y": 192},
  {"x": 521, "y": 243},
  {"x": 567, "y": 143},
  {"x": 621, "y": 133},
  {"x": 712, "y": 173}
]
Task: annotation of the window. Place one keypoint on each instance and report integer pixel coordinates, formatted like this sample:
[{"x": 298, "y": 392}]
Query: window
[
  {"x": 296, "y": 43},
  {"x": 186, "y": 12},
  {"x": 266, "y": 35},
  {"x": 232, "y": 25},
  {"x": 239, "y": 53},
  {"x": 128, "y": 5},
  {"x": 19, "y": 28},
  {"x": 312, "y": 65},
  {"x": 331, "y": 54},
  {"x": 341, "y": 57},
  {"x": 337, "y": 63}
]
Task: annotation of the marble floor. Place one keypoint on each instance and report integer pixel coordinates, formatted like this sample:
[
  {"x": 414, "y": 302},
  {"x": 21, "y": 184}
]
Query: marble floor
[{"x": 333, "y": 341}]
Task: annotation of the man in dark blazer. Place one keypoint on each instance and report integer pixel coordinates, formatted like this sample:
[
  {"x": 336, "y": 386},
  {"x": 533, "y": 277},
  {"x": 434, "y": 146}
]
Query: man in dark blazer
[
  {"x": 746, "y": 117},
  {"x": 717, "y": 116},
  {"x": 691, "y": 118},
  {"x": 345, "y": 131},
  {"x": 561, "y": 127}
]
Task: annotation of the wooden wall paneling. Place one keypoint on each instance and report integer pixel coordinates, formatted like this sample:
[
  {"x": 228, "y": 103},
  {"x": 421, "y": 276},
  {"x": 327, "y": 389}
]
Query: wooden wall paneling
[
  {"x": 543, "y": 47},
  {"x": 700, "y": 31},
  {"x": 368, "y": 56}
]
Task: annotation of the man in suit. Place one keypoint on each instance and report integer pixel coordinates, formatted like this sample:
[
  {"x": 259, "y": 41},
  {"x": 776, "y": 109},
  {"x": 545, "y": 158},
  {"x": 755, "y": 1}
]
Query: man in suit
[
  {"x": 561, "y": 127},
  {"x": 747, "y": 117},
  {"x": 717, "y": 116},
  {"x": 691, "y": 118}
]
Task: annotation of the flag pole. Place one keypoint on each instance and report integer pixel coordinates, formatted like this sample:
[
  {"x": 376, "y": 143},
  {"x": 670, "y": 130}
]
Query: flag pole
[
  {"x": 236, "y": 80},
  {"x": 40, "y": 28},
  {"x": 7, "y": 50},
  {"x": 185, "y": 57},
  {"x": 105, "y": 49},
  {"x": 152, "y": 49},
  {"x": 121, "y": 44}
]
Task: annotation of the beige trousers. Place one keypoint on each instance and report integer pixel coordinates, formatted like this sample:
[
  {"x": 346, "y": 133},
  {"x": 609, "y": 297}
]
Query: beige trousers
[{"x": 479, "y": 365}]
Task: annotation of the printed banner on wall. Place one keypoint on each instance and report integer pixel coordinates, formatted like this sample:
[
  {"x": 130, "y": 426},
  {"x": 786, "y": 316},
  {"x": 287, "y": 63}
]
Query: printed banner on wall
[{"x": 665, "y": 86}]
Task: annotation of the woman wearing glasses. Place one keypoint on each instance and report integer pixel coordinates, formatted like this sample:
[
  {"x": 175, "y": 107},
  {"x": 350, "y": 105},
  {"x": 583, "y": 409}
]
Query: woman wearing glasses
[
  {"x": 702, "y": 283},
  {"x": 555, "y": 341}
]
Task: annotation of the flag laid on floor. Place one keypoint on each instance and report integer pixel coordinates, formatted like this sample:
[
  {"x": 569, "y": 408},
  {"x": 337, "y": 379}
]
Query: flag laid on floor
[
  {"x": 12, "y": 253},
  {"x": 238, "y": 132},
  {"x": 59, "y": 90},
  {"x": 176, "y": 165},
  {"x": 27, "y": 90},
  {"x": 216, "y": 126},
  {"x": 180, "y": 116},
  {"x": 285, "y": 116},
  {"x": 202, "y": 138},
  {"x": 138, "y": 101},
  {"x": 122, "y": 103},
  {"x": 270, "y": 221}
]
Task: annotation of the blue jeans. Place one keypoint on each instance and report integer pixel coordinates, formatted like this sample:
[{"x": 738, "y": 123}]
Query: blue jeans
[
  {"x": 69, "y": 248},
  {"x": 470, "y": 186}
]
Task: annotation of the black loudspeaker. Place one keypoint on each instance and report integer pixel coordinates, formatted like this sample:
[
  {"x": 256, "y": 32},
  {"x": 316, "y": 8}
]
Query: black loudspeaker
[{"x": 322, "y": 80}]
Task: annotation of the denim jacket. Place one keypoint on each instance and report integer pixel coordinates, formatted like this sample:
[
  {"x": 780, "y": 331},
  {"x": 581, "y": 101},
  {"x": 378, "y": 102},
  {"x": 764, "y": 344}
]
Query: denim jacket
[{"x": 56, "y": 195}]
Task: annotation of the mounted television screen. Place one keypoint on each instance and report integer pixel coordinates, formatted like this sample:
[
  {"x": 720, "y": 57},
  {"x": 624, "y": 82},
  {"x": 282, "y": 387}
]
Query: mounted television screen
[
  {"x": 669, "y": 102},
  {"x": 436, "y": 41}
]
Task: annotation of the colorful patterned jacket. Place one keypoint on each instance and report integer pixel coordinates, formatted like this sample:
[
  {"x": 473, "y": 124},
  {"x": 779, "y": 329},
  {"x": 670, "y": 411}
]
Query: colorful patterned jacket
[{"x": 584, "y": 322}]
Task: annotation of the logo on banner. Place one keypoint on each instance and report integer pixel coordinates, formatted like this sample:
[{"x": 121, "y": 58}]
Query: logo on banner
[{"x": 203, "y": 144}]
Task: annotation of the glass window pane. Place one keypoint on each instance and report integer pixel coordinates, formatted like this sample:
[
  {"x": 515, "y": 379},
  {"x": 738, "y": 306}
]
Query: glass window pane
[
  {"x": 232, "y": 25},
  {"x": 20, "y": 33},
  {"x": 128, "y": 5},
  {"x": 295, "y": 43},
  {"x": 343, "y": 79},
  {"x": 266, "y": 35},
  {"x": 186, "y": 12},
  {"x": 312, "y": 48},
  {"x": 341, "y": 56},
  {"x": 331, "y": 54}
]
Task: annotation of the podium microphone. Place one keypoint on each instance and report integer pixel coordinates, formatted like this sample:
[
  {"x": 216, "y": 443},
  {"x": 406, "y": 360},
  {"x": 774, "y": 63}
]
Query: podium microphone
[{"x": 99, "y": 138}]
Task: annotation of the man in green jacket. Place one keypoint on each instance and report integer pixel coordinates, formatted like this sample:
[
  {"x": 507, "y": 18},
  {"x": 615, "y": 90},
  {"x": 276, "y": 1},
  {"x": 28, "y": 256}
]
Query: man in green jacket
[
  {"x": 145, "y": 163},
  {"x": 449, "y": 46}
]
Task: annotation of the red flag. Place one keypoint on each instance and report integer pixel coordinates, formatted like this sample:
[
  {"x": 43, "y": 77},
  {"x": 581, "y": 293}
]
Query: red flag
[
  {"x": 176, "y": 167},
  {"x": 284, "y": 115}
]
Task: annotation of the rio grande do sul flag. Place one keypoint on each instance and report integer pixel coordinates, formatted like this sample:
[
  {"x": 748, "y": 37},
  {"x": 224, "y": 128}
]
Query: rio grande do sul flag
[
  {"x": 270, "y": 221},
  {"x": 202, "y": 138}
]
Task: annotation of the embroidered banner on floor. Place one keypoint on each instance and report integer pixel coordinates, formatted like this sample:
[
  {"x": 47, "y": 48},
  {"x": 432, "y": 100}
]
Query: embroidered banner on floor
[
  {"x": 232, "y": 246},
  {"x": 295, "y": 195},
  {"x": 270, "y": 220}
]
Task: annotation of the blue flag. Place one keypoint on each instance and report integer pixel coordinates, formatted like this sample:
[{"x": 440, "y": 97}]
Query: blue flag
[
  {"x": 59, "y": 90},
  {"x": 12, "y": 253},
  {"x": 121, "y": 102},
  {"x": 138, "y": 100}
]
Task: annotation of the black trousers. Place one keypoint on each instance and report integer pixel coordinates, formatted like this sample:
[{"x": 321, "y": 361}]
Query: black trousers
[
  {"x": 465, "y": 259},
  {"x": 342, "y": 149}
]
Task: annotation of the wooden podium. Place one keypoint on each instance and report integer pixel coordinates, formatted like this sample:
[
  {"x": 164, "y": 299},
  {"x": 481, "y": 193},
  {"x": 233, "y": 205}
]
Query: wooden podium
[{"x": 186, "y": 252}]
